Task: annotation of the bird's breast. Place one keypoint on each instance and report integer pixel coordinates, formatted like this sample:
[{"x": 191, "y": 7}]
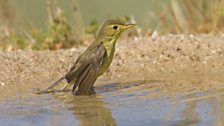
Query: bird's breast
[{"x": 110, "y": 49}]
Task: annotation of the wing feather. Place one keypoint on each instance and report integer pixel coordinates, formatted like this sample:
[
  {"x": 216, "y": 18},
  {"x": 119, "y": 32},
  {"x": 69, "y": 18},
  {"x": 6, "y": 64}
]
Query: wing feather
[
  {"x": 77, "y": 69},
  {"x": 87, "y": 80},
  {"x": 85, "y": 70}
]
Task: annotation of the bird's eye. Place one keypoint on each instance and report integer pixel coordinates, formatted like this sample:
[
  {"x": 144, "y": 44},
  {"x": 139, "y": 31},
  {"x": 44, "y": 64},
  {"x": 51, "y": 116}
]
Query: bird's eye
[{"x": 115, "y": 27}]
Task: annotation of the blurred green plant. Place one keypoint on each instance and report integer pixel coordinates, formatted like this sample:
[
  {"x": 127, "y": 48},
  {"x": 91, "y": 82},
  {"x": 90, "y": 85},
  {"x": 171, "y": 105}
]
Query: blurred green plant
[
  {"x": 93, "y": 27},
  {"x": 59, "y": 31},
  {"x": 58, "y": 34}
]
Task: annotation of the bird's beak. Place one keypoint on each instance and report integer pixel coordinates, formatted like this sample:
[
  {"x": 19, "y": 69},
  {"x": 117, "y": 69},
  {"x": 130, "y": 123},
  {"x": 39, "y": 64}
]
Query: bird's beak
[{"x": 128, "y": 26}]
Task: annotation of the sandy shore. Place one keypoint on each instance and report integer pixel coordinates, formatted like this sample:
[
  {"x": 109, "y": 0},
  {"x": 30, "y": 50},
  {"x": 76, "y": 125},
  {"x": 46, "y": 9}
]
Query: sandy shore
[{"x": 181, "y": 63}]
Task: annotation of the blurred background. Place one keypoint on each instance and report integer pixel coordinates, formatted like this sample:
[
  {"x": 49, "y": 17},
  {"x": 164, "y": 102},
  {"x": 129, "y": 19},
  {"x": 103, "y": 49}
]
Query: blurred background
[{"x": 55, "y": 24}]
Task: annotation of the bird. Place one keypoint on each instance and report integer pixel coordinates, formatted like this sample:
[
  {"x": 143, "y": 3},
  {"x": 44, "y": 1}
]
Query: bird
[{"x": 93, "y": 62}]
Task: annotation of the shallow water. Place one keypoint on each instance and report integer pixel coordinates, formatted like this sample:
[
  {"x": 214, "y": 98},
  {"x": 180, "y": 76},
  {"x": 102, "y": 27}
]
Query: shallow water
[{"x": 115, "y": 104}]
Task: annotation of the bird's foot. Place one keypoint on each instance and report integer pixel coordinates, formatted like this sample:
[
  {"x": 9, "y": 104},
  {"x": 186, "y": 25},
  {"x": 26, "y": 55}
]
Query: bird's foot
[{"x": 90, "y": 92}]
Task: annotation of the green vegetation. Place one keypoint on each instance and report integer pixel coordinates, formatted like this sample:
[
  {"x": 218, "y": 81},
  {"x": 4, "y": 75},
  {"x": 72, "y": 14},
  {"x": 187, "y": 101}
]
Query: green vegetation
[
  {"x": 58, "y": 34},
  {"x": 172, "y": 16}
]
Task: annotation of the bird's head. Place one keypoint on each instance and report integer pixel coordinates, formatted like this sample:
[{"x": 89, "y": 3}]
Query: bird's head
[{"x": 113, "y": 28}]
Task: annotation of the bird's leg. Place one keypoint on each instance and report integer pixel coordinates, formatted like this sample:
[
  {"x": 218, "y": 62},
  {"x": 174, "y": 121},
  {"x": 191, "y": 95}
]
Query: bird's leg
[
  {"x": 67, "y": 86},
  {"x": 50, "y": 88},
  {"x": 52, "y": 91}
]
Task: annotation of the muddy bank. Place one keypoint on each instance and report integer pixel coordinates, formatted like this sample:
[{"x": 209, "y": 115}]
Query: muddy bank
[{"x": 180, "y": 63}]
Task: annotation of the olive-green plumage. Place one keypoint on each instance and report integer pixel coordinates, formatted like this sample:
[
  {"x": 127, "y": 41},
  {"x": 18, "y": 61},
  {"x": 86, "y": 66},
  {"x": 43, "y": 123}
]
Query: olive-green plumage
[{"x": 94, "y": 61}]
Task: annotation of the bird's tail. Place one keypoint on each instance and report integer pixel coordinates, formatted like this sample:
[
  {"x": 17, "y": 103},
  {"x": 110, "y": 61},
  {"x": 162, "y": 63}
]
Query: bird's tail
[{"x": 48, "y": 90}]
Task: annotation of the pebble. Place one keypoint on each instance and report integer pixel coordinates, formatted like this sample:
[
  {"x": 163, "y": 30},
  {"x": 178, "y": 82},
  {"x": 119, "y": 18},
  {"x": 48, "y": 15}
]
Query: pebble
[{"x": 2, "y": 83}]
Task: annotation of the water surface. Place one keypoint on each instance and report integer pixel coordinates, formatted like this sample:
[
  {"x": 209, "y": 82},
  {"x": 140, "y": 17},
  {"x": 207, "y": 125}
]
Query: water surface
[{"x": 115, "y": 104}]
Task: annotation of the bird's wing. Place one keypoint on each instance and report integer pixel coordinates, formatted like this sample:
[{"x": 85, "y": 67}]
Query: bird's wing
[
  {"x": 86, "y": 69},
  {"x": 76, "y": 69},
  {"x": 87, "y": 79},
  {"x": 80, "y": 64}
]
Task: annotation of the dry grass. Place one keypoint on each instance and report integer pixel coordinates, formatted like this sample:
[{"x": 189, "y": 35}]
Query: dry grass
[{"x": 190, "y": 16}]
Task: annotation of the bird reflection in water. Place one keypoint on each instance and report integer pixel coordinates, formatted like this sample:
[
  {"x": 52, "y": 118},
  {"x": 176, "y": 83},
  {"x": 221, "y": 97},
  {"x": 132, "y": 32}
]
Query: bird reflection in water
[{"x": 90, "y": 110}]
